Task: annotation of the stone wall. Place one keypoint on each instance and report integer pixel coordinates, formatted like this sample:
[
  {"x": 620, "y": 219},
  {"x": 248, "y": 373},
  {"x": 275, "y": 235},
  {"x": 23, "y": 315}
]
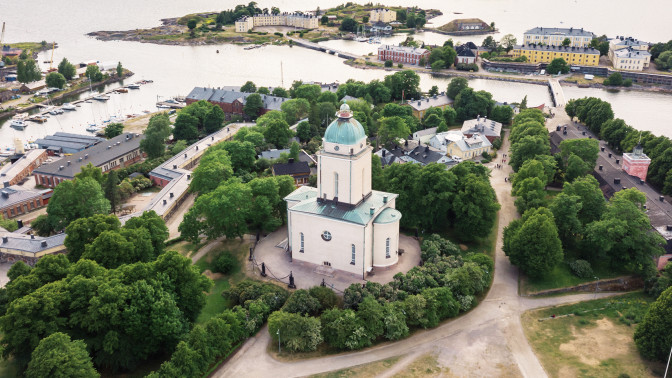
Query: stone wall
[{"x": 616, "y": 284}]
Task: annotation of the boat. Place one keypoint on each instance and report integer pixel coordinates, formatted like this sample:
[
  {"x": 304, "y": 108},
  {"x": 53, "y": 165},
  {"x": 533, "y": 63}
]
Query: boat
[
  {"x": 68, "y": 106},
  {"x": 133, "y": 86},
  {"x": 38, "y": 118},
  {"x": 55, "y": 111},
  {"x": 18, "y": 124},
  {"x": 92, "y": 128},
  {"x": 161, "y": 106},
  {"x": 101, "y": 98},
  {"x": 121, "y": 90}
]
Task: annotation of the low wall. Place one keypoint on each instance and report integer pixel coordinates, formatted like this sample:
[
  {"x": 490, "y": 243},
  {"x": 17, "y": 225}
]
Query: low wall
[{"x": 615, "y": 284}]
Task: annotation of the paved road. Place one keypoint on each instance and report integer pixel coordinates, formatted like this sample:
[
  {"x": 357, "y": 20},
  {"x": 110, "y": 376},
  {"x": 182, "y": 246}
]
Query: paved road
[{"x": 488, "y": 341}]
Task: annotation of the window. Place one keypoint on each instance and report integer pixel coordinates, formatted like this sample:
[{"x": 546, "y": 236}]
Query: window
[
  {"x": 352, "y": 259},
  {"x": 301, "y": 250},
  {"x": 387, "y": 248},
  {"x": 335, "y": 185},
  {"x": 326, "y": 236}
]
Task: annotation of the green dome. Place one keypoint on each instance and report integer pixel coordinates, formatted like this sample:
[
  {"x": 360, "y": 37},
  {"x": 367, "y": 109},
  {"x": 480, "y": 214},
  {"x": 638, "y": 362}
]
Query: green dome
[{"x": 345, "y": 129}]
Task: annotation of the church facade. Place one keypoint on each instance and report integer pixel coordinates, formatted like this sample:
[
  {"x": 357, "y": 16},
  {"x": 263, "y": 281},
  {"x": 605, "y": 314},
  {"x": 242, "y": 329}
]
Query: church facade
[{"x": 343, "y": 223}]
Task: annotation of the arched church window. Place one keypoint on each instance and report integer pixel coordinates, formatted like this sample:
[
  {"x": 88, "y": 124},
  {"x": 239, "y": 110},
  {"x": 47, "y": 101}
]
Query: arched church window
[{"x": 387, "y": 248}]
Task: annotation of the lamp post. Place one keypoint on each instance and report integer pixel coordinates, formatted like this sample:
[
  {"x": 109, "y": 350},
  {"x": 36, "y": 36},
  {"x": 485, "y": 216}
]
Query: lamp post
[
  {"x": 278, "y": 333},
  {"x": 668, "y": 363}
]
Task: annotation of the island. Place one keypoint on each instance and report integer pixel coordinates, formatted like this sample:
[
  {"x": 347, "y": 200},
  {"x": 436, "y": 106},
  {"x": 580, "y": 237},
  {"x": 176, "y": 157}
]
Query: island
[{"x": 248, "y": 24}]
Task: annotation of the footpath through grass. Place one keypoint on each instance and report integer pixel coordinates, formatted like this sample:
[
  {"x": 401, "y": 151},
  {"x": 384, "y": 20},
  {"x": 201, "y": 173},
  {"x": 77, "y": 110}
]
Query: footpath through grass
[{"x": 590, "y": 339}]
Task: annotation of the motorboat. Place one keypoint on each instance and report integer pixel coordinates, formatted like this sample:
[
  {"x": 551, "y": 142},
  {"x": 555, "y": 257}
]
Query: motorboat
[
  {"x": 133, "y": 86},
  {"x": 18, "y": 124},
  {"x": 163, "y": 106},
  {"x": 55, "y": 111},
  {"x": 68, "y": 106},
  {"x": 101, "y": 98},
  {"x": 92, "y": 128},
  {"x": 38, "y": 118},
  {"x": 121, "y": 90}
]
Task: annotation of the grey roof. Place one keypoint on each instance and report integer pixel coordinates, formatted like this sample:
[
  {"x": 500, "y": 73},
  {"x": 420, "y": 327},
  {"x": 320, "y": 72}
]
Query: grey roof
[
  {"x": 294, "y": 168},
  {"x": 540, "y": 47},
  {"x": 429, "y": 131},
  {"x": 464, "y": 50},
  {"x": 360, "y": 214},
  {"x": 273, "y": 154},
  {"x": 12, "y": 195},
  {"x": 476, "y": 141},
  {"x": 425, "y": 155},
  {"x": 386, "y": 157},
  {"x": 229, "y": 95},
  {"x": 18, "y": 243},
  {"x": 627, "y": 41},
  {"x": 10, "y": 171},
  {"x": 68, "y": 140},
  {"x": 430, "y": 102},
  {"x": 482, "y": 125},
  {"x": 629, "y": 52},
  {"x": 97, "y": 155},
  {"x": 576, "y": 32}
]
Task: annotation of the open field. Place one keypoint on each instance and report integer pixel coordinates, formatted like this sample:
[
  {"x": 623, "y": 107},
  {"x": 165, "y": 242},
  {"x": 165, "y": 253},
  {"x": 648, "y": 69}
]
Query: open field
[{"x": 590, "y": 339}]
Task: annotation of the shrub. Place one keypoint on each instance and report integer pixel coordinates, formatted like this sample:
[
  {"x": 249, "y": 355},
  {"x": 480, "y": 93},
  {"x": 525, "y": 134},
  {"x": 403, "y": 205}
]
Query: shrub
[
  {"x": 297, "y": 333},
  {"x": 278, "y": 34},
  {"x": 225, "y": 263},
  {"x": 400, "y": 65},
  {"x": 497, "y": 143},
  {"x": 581, "y": 268},
  {"x": 327, "y": 298},
  {"x": 627, "y": 83},
  {"x": 302, "y": 303},
  {"x": 388, "y": 63},
  {"x": 467, "y": 67}
]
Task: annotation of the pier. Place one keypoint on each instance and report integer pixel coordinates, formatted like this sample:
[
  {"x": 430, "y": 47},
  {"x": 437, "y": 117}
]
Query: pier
[
  {"x": 315, "y": 46},
  {"x": 557, "y": 94}
]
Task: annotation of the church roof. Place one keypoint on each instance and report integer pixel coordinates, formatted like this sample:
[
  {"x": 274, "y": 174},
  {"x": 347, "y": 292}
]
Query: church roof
[
  {"x": 359, "y": 215},
  {"x": 345, "y": 129},
  {"x": 388, "y": 215}
]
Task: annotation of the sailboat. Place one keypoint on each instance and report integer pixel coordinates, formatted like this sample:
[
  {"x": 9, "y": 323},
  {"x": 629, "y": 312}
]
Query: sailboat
[{"x": 361, "y": 37}]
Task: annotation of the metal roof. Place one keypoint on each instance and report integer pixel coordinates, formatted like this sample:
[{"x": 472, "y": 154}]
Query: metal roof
[
  {"x": 567, "y": 49},
  {"x": 482, "y": 125},
  {"x": 430, "y": 102},
  {"x": 10, "y": 171},
  {"x": 14, "y": 242},
  {"x": 560, "y": 31},
  {"x": 13, "y": 195},
  {"x": 294, "y": 168},
  {"x": 389, "y": 215}
]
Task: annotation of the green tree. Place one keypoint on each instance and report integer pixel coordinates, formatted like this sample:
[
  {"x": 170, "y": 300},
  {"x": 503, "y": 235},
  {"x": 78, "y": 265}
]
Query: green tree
[
  {"x": 66, "y": 69},
  {"x": 242, "y": 155},
  {"x": 591, "y": 198},
  {"x": 502, "y": 114},
  {"x": 112, "y": 190},
  {"x": 391, "y": 129},
  {"x": 474, "y": 206},
  {"x": 652, "y": 337},
  {"x": 348, "y": 24},
  {"x": 438, "y": 65},
  {"x": 614, "y": 131},
  {"x": 342, "y": 329},
  {"x": 114, "y": 129},
  {"x": 576, "y": 167},
  {"x": 527, "y": 148},
  {"x": 433, "y": 91},
  {"x": 59, "y": 357},
  {"x": 557, "y": 66},
  {"x": 566, "y": 42},
  {"x": 302, "y": 303},
  {"x": 76, "y": 199},
  {"x": 191, "y": 24},
  {"x": 508, "y": 41},
  {"x": 214, "y": 168},
  {"x": 93, "y": 73},
  {"x": 310, "y": 92},
  {"x": 404, "y": 84},
  {"x": 295, "y": 332},
  {"x": 55, "y": 80},
  {"x": 278, "y": 133},
  {"x": 280, "y": 92},
  {"x": 470, "y": 104},
  {"x": 615, "y": 79},
  {"x": 214, "y": 119},
  {"x": 253, "y": 106},
  {"x": 157, "y": 132},
  {"x": 565, "y": 209},
  {"x": 456, "y": 86},
  {"x": 186, "y": 128},
  {"x": 303, "y": 131},
  {"x": 532, "y": 242},
  {"x": 295, "y": 110},
  {"x": 120, "y": 70},
  {"x": 530, "y": 193},
  {"x": 371, "y": 314},
  {"x": 248, "y": 87}
]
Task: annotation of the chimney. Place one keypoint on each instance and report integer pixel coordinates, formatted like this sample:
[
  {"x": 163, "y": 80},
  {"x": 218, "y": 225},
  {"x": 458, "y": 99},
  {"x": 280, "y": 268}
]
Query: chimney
[
  {"x": 5, "y": 239},
  {"x": 80, "y": 158},
  {"x": 32, "y": 236},
  {"x": 188, "y": 177},
  {"x": 171, "y": 195},
  {"x": 19, "y": 223},
  {"x": 86, "y": 156},
  {"x": 291, "y": 161},
  {"x": 44, "y": 244},
  {"x": 68, "y": 163},
  {"x": 61, "y": 168},
  {"x": 372, "y": 210},
  {"x": 185, "y": 156},
  {"x": 174, "y": 166},
  {"x": 165, "y": 202},
  {"x": 384, "y": 199},
  {"x": 384, "y": 153},
  {"x": 669, "y": 227}
]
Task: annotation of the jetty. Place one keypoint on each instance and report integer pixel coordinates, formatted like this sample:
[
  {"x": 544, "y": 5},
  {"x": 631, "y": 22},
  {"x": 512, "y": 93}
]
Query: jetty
[
  {"x": 557, "y": 93},
  {"x": 328, "y": 50}
]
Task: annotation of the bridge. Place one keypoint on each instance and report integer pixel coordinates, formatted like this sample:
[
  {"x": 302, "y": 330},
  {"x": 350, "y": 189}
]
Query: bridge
[
  {"x": 557, "y": 94},
  {"x": 315, "y": 46}
]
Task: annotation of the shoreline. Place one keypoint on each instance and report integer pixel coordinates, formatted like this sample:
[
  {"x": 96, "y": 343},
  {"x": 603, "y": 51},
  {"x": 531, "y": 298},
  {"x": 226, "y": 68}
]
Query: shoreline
[{"x": 59, "y": 97}]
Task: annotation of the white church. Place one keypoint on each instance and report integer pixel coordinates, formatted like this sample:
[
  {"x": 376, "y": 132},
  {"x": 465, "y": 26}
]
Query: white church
[{"x": 343, "y": 223}]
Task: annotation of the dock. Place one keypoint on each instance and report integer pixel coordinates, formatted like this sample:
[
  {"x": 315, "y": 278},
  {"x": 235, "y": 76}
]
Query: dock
[
  {"x": 315, "y": 46},
  {"x": 557, "y": 93}
]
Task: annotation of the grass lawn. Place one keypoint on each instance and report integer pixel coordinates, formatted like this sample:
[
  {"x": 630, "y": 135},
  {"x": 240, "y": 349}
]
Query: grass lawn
[
  {"x": 594, "y": 340},
  {"x": 369, "y": 370},
  {"x": 215, "y": 303},
  {"x": 185, "y": 248},
  {"x": 562, "y": 276},
  {"x": 484, "y": 245}
]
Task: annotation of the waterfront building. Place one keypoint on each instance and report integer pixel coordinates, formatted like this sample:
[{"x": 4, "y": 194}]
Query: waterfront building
[
  {"x": 402, "y": 54},
  {"x": 555, "y": 36},
  {"x": 465, "y": 55},
  {"x": 343, "y": 223},
  {"x": 67, "y": 143},
  {"x": 621, "y": 42},
  {"x": 471, "y": 25},
  {"x": 298, "y": 170},
  {"x": 231, "y": 101},
  {"x": 482, "y": 125},
  {"x": 12, "y": 174},
  {"x": 535, "y": 53},
  {"x": 630, "y": 59},
  {"x": 303, "y": 21},
  {"x": 636, "y": 163},
  {"x": 469, "y": 147},
  {"x": 382, "y": 15},
  {"x": 118, "y": 152},
  {"x": 15, "y": 201},
  {"x": 419, "y": 107}
]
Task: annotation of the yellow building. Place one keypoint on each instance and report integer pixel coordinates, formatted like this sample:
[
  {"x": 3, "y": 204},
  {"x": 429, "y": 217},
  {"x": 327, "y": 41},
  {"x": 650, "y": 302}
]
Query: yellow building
[
  {"x": 545, "y": 54},
  {"x": 468, "y": 148},
  {"x": 555, "y": 36},
  {"x": 285, "y": 19},
  {"x": 382, "y": 15}
]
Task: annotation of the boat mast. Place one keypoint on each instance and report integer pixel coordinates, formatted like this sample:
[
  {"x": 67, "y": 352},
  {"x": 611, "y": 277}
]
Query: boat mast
[{"x": 282, "y": 76}]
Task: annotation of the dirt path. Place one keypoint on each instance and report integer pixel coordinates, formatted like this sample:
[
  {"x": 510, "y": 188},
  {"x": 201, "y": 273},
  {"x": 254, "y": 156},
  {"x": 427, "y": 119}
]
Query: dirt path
[
  {"x": 204, "y": 250},
  {"x": 487, "y": 341}
]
